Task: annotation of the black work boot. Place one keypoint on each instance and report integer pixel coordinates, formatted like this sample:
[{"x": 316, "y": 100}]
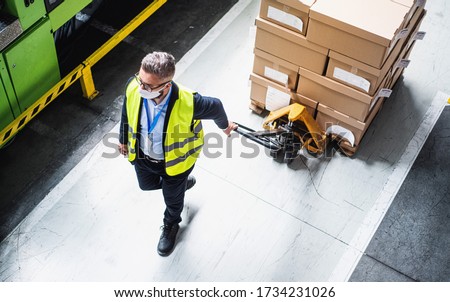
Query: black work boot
[
  {"x": 167, "y": 239},
  {"x": 190, "y": 182}
]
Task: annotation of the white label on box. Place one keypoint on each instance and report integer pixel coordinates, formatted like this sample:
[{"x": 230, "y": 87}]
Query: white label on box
[
  {"x": 420, "y": 35},
  {"x": 285, "y": 18},
  {"x": 383, "y": 93},
  {"x": 276, "y": 99},
  {"x": 342, "y": 132},
  {"x": 351, "y": 79},
  {"x": 276, "y": 75},
  {"x": 403, "y": 63},
  {"x": 402, "y": 34}
]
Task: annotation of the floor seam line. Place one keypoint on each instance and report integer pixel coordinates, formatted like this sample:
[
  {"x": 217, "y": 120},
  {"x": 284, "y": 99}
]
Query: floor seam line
[{"x": 390, "y": 267}]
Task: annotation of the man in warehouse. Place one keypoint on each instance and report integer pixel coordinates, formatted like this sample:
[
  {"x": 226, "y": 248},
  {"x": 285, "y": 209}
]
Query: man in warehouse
[{"x": 162, "y": 135}]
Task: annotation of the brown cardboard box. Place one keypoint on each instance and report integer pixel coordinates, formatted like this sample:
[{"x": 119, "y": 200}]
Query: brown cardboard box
[
  {"x": 415, "y": 9},
  {"x": 363, "y": 30},
  {"x": 416, "y": 16},
  {"x": 268, "y": 94},
  {"x": 292, "y": 14},
  {"x": 290, "y": 46},
  {"x": 338, "y": 96},
  {"x": 361, "y": 76},
  {"x": 403, "y": 59},
  {"x": 327, "y": 116},
  {"x": 399, "y": 66},
  {"x": 356, "y": 74},
  {"x": 275, "y": 69},
  {"x": 415, "y": 33},
  {"x": 272, "y": 96}
]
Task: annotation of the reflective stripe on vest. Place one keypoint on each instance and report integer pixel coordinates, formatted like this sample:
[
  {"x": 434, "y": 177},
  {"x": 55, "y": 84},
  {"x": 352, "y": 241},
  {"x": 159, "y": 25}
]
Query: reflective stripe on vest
[
  {"x": 184, "y": 136},
  {"x": 133, "y": 107}
]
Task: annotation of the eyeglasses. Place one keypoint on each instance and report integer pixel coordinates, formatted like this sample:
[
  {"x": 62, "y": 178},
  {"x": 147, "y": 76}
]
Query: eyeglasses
[{"x": 147, "y": 86}]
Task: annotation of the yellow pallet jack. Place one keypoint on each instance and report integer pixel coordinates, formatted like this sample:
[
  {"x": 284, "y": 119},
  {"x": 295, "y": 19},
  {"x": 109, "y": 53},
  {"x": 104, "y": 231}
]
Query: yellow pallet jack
[{"x": 290, "y": 130}]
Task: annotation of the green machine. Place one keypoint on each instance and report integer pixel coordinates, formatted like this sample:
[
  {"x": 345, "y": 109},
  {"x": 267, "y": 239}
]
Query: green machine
[{"x": 28, "y": 57}]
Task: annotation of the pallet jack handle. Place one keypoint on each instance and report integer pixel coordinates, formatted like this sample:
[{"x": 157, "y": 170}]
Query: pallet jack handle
[{"x": 260, "y": 138}]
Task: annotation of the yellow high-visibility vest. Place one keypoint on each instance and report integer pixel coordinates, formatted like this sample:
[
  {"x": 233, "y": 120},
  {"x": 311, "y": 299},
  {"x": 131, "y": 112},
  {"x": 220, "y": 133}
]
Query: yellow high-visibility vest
[{"x": 183, "y": 136}]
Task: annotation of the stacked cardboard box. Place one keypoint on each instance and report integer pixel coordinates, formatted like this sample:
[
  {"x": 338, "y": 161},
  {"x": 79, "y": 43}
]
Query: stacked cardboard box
[
  {"x": 339, "y": 58},
  {"x": 281, "y": 48}
]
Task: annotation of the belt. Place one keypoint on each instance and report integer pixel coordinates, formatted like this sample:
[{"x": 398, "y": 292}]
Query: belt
[
  {"x": 153, "y": 160},
  {"x": 150, "y": 159}
]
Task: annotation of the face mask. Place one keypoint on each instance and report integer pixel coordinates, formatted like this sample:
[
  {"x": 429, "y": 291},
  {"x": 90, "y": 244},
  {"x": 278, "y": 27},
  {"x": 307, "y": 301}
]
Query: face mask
[{"x": 150, "y": 95}]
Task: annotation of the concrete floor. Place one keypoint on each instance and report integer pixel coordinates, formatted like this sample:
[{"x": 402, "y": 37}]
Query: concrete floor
[
  {"x": 308, "y": 221},
  {"x": 413, "y": 240}
]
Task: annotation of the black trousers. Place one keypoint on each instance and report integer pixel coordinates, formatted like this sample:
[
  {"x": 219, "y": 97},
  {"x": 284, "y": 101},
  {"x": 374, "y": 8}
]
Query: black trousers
[{"x": 151, "y": 175}]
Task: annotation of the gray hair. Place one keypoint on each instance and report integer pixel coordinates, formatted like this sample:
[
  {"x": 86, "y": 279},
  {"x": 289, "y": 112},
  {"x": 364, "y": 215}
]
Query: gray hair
[{"x": 161, "y": 64}]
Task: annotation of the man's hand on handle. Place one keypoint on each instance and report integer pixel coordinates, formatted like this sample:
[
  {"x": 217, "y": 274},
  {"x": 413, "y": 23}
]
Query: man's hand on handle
[{"x": 231, "y": 126}]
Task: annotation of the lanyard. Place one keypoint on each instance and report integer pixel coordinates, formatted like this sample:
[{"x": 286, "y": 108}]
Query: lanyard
[{"x": 156, "y": 118}]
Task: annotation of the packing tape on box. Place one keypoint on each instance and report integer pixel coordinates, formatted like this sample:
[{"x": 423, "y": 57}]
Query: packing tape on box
[
  {"x": 402, "y": 63},
  {"x": 383, "y": 93},
  {"x": 420, "y": 35}
]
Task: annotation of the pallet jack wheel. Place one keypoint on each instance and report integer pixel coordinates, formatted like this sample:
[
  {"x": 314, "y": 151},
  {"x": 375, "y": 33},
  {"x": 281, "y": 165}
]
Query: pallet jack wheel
[
  {"x": 274, "y": 154},
  {"x": 288, "y": 157},
  {"x": 278, "y": 155}
]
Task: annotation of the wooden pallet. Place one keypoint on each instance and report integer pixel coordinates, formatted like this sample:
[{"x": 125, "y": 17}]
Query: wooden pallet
[
  {"x": 347, "y": 149},
  {"x": 257, "y": 107}
]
